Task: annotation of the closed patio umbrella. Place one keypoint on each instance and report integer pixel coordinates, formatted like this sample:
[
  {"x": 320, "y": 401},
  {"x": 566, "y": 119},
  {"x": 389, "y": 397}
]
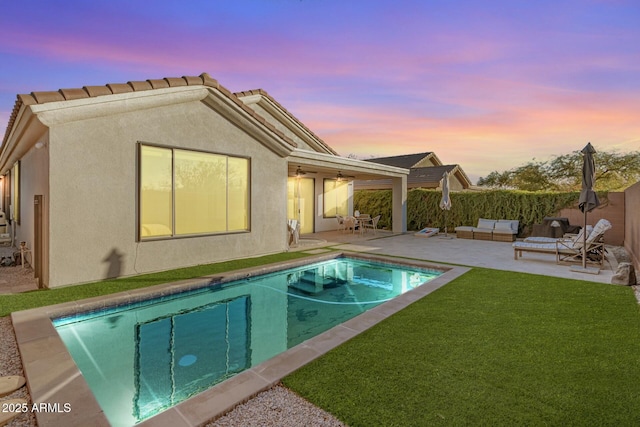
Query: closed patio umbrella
[
  {"x": 445, "y": 202},
  {"x": 588, "y": 197}
]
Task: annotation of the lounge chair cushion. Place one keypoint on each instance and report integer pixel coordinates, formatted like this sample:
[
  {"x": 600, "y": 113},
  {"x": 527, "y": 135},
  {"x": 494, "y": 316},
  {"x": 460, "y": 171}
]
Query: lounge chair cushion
[
  {"x": 541, "y": 247},
  {"x": 599, "y": 229},
  {"x": 578, "y": 239}
]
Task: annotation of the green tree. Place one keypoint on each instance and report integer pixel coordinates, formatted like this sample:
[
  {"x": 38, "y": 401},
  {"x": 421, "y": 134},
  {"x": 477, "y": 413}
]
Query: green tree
[{"x": 615, "y": 171}]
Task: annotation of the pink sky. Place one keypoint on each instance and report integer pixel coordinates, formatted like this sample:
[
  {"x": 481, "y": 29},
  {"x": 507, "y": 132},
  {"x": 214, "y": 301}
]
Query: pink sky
[{"x": 486, "y": 84}]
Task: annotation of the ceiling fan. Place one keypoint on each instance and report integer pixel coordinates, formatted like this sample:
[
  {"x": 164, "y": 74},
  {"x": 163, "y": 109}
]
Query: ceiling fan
[
  {"x": 300, "y": 172},
  {"x": 341, "y": 177}
]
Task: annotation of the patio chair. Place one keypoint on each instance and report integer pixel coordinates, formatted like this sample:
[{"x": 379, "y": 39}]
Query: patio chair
[
  {"x": 340, "y": 220},
  {"x": 373, "y": 224},
  {"x": 570, "y": 250},
  {"x": 350, "y": 224},
  {"x": 293, "y": 227}
]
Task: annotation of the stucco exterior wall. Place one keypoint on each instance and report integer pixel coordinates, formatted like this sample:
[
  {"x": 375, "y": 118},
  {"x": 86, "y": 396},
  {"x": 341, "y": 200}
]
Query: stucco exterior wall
[
  {"x": 632, "y": 223},
  {"x": 34, "y": 168},
  {"x": 93, "y": 180}
]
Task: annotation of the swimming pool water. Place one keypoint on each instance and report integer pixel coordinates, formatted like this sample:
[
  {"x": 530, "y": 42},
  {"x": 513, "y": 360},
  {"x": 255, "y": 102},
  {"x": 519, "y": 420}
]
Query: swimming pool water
[{"x": 144, "y": 358}]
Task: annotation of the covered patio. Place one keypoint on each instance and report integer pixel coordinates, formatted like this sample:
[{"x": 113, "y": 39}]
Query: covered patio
[{"x": 314, "y": 197}]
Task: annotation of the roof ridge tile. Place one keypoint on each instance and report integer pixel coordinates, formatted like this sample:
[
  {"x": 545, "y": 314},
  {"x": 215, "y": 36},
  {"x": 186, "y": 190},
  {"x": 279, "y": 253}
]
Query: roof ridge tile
[
  {"x": 75, "y": 93},
  {"x": 264, "y": 93},
  {"x": 204, "y": 79},
  {"x": 139, "y": 86},
  {"x": 94, "y": 91},
  {"x": 175, "y": 81},
  {"x": 119, "y": 88},
  {"x": 158, "y": 83},
  {"x": 48, "y": 96},
  {"x": 193, "y": 80}
]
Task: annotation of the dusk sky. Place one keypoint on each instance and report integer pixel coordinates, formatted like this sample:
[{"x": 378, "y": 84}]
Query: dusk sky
[{"x": 485, "y": 84}]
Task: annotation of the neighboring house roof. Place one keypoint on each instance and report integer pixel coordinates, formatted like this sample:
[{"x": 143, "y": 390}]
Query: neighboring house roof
[
  {"x": 426, "y": 171},
  {"x": 408, "y": 161},
  {"x": 134, "y": 86},
  {"x": 428, "y": 175}
]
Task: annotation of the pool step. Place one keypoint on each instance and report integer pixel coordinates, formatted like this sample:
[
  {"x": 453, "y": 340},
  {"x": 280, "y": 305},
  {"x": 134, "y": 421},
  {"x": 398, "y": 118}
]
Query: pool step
[{"x": 313, "y": 284}]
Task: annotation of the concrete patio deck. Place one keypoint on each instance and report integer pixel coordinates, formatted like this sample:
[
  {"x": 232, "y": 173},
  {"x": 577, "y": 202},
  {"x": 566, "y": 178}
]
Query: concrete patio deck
[{"x": 467, "y": 252}]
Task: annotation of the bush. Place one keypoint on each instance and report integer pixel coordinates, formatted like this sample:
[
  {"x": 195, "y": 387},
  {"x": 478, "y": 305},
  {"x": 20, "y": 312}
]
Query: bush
[{"x": 423, "y": 207}]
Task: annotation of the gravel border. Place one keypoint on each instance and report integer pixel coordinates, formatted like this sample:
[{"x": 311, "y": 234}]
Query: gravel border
[
  {"x": 278, "y": 407},
  {"x": 11, "y": 364}
]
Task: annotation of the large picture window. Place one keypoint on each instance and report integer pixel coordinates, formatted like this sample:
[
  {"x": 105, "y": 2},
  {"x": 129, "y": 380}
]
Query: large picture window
[
  {"x": 185, "y": 192},
  {"x": 336, "y": 198}
]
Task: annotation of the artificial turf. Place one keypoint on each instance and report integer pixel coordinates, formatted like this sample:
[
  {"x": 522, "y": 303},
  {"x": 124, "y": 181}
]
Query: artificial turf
[{"x": 490, "y": 348}]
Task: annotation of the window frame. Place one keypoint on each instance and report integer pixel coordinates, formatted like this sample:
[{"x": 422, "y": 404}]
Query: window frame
[
  {"x": 16, "y": 191},
  {"x": 174, "y": 235},
  {"x": 324, "y": 197}
]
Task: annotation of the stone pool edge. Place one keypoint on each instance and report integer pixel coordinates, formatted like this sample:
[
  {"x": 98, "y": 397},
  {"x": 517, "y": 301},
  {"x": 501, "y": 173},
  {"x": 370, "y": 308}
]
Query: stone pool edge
[{"x": 53, "y": 377}]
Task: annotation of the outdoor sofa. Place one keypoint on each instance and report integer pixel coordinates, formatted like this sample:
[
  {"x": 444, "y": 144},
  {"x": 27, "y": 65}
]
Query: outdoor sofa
[{"x": 501, "y": 230}]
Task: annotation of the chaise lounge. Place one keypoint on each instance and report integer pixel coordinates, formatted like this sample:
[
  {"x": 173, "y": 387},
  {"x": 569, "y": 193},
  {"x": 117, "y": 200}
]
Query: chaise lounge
[{"x": 570, "y": 249}]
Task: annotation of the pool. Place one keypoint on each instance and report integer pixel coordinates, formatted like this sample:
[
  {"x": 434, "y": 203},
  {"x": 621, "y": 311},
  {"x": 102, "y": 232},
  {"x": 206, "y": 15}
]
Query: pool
[
  {"x": 54, "y": 376},
  {"x": 142, "y": 358}
]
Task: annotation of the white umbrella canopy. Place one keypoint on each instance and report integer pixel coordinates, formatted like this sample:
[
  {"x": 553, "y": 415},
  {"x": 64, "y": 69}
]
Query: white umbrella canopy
[{"x": 445, "y": 202}]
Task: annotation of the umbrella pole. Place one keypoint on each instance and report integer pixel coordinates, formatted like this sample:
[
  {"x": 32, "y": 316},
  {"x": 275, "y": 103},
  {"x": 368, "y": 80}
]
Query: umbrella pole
[
  {"x": 445, "y": 223},
  {"x": 584, "y": 242}
]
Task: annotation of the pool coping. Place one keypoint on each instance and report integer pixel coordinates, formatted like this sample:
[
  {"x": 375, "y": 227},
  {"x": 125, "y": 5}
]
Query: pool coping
[{"x": 53, "y": 377}]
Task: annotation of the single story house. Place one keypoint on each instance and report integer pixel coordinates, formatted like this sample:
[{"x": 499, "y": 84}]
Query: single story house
[
  {"x": 426, "y": 171},
  {"x": 145, "y": 176}
]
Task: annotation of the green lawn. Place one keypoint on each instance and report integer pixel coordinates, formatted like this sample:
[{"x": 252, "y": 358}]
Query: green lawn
[
  {"x": 490, "y": 348},
  {"x": 23, "y": 301}
]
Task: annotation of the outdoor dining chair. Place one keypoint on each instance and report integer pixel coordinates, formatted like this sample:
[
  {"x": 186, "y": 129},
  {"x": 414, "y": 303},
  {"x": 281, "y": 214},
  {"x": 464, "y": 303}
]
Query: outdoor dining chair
[{"x": 373, "y": 224}]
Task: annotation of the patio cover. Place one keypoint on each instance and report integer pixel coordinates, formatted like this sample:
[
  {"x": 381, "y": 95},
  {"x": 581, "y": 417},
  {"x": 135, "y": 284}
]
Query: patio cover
[{"x": 358, "y": 169}]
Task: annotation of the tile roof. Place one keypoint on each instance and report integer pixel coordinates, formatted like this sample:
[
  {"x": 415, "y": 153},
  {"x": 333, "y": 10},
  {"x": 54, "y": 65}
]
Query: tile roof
[
  {"x": 405, "y": 161},
  {"x": 132, "y": 86},
  {"x": 424, "y": 177},
  {"x": 431, "y": 174},
  {"x": 284, "y": 110}
]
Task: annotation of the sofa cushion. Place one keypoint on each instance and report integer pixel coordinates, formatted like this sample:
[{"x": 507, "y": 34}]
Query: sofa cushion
[
  {"x": 486, "y": 223},
  {"x": 503, "y": 227}
]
